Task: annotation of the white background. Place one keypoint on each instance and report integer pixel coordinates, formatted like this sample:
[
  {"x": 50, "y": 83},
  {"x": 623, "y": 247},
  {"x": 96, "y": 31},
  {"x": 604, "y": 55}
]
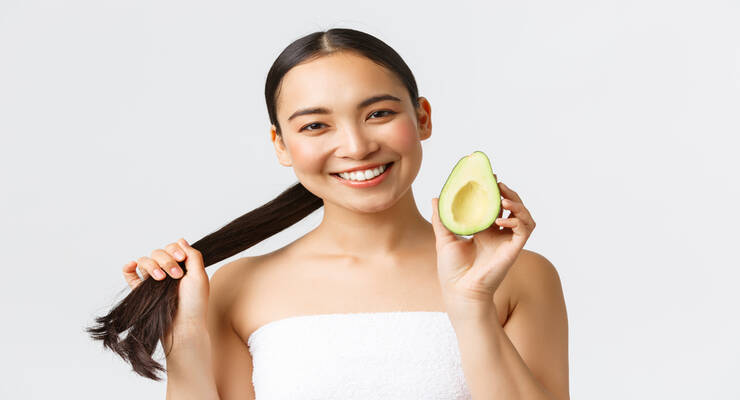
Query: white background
[{"x": 128, "y": 124}]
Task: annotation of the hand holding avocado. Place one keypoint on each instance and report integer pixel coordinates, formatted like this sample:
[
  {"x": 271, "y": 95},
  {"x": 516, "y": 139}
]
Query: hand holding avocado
[{"x": 470, "y": 270}]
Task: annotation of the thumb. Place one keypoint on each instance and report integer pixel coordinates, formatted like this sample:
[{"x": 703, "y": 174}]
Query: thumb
[
  {"x": 441, "y": 233},
  {"x": 193, "y": 259}
]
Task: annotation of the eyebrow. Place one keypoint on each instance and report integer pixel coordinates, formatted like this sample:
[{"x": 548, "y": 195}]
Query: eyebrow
[{"x": 364, "y": 103}]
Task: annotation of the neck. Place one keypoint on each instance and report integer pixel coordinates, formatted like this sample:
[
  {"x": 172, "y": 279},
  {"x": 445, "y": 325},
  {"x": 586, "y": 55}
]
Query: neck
[{"x": 367, "y": 235}]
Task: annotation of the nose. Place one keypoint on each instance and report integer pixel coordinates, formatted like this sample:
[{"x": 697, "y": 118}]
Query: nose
[{"x": 356, "y": 143}]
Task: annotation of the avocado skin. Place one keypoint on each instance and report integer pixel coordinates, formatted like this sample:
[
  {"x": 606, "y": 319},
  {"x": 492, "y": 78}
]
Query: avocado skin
[{"x": 481, "y": 184}]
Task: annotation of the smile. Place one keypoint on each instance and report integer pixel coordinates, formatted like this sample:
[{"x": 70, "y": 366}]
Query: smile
[{"x": 365, "y": 183}]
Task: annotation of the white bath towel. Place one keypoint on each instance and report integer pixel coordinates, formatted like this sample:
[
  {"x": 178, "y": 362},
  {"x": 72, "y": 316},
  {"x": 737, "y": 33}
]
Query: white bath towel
[{"x": 405, "y": 355}]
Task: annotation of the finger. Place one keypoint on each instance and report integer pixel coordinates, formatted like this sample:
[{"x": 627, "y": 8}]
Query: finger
[
  {"x": 144, "y": 274},
  {"x": 167, "y": 263},
  {"x": 441, "y": 233},
  {"x": 152, "y": 267},
  {"x": 193, "y": 257},
  {"x": 178, "y": 253},
  {"x": 518, "y": 210},
  {"x": 508, "y": 222},
  {"x": 175, "y": 251},
  {"x": 501, "y": 208},
  {"x": 508, "y": 193},
  {"x": 520, "y": 230},
  {"x": 514, "y": 207},
  {"x": 513, "y": 200},
  {"x": 129, "y": 273}
]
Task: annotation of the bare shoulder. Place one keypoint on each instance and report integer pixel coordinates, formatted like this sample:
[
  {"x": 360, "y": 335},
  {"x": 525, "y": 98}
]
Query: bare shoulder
[
  {"x": 538, "y": 327},
  {"x": 235, "y": 276},
  {"x": 232, "y": 361},
  {"x": 236, "y": 289},
  {"x": 227, "y": 286},
  {"x": 532, "y": 273},
  {"x": 228, "y": 280}
]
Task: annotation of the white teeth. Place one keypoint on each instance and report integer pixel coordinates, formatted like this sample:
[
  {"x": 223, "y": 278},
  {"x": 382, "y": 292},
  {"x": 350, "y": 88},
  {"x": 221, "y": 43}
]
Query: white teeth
[{"x": 363, "y": 175}]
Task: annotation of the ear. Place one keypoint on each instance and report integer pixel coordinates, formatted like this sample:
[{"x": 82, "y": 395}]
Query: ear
[
  {"x": 424, "y": 118},
  {"x": 280, "y": 149}
]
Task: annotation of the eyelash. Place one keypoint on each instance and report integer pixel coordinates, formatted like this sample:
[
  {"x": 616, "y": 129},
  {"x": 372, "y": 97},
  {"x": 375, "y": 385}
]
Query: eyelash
[{"x": 388, "y": 112}]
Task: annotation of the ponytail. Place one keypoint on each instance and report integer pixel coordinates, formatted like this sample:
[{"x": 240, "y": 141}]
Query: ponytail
[{"x": 148, "y": 311}]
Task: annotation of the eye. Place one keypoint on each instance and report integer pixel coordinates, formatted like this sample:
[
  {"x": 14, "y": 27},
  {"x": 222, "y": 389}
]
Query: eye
[
  {"x": 389, "y": 112},
  {"x": 311, "y": 124}
]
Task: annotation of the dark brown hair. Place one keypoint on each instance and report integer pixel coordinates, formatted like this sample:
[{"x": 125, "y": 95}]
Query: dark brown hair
[{"x": 147, "y": 313}]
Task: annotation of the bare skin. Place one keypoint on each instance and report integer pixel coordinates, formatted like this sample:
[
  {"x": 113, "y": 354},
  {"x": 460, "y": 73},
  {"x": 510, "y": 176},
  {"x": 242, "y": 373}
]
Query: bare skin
[
  {"x": 373, "y": 249},
  {"x": 321, "y": 284},
  {"x": 372, "y": 252},
  {"x": 404, "y": 281},
  {"x": 250, "y": 292}
]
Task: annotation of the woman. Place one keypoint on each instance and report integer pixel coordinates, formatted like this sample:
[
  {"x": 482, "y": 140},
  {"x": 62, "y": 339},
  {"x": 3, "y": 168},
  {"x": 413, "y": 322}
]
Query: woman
[{"x": 375, "y": 302}]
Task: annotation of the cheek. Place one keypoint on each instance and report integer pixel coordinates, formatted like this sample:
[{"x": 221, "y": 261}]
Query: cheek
[
  {"x": 403, "y": 136},
  {"x": 305, "y": 157}
]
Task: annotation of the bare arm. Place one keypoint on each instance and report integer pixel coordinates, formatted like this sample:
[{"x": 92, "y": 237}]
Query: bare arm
[
  {"x": 212, "y": 362},
  {"x": 189, "y": 366},
  {"x": 528, "y": 357}
]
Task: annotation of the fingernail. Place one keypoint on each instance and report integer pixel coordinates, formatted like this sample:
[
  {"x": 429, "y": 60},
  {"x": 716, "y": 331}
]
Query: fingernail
[
  {"x": 158, "y": 273},
  {"x": 175, "y": 272},
  {"x": 179, "y": 254}
]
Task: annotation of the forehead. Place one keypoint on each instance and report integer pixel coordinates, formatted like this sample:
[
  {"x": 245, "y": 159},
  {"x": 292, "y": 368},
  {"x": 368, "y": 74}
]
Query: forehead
[{"x": 338, "y": 80}]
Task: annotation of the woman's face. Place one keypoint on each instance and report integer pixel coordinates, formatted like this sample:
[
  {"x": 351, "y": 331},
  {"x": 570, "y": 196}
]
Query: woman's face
[{"x": 347, "y": 133}]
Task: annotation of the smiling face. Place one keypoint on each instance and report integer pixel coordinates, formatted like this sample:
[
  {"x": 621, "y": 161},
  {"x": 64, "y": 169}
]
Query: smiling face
[{"x": 342, "y": 111}]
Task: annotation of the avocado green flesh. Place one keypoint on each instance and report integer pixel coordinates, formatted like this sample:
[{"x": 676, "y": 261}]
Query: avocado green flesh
[{"x": 470, "y": 199}]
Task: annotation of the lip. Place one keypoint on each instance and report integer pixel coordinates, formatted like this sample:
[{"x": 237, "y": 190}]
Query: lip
[
  {"x": 369, "y": 183},
  {"x": 364, "y": 167}
]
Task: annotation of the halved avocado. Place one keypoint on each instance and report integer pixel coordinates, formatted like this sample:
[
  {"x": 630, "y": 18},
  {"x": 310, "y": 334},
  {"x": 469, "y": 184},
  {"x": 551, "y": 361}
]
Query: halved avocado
[{"x": 470, "y": 199}]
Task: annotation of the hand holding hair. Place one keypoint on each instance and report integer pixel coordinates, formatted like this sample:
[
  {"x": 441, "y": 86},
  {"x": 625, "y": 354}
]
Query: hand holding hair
[
  {"x": 193, "y": 288},
  {"x": 134, "y": 327},
  {"x": 150, "y": 313}
]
